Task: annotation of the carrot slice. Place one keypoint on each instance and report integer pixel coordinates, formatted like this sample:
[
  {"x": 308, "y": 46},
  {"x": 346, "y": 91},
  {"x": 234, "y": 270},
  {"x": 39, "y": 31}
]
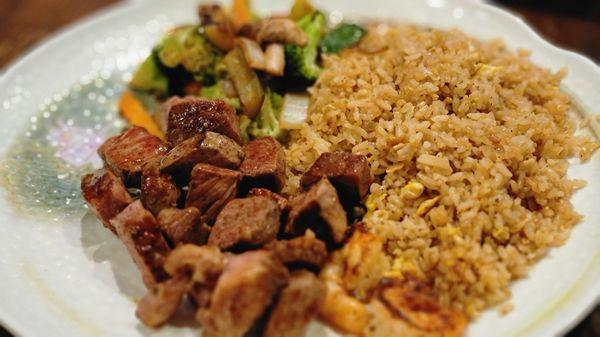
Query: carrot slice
[
  {"x": 133, "y": 111},
  {"x": 240, "y": 13}
]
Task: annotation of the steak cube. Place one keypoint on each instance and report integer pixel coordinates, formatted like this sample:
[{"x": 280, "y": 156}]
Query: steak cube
[
  {"x": 190, "y": 116},
  {"x": 318, "y": 208},
  {"x": 183, "y": 226},
  {"x": 127, "y": 153},
  {"x": 250, "y": 222},
  {"x": 349, "y": 173},
  {"x": 209, "y": 148},
  {"x": 297, "y": 304},
  {"x": 303, "y": 251},
  {"x": 105, "y": 195},
  {"x": 264, "y": 164},
  {"x": 162, "y": 301},
  {"x": 210, "y": 189},
  {"x": 282, "y": 201},
  {"x": 138, "y": 230},
  {"x": 204, "y": 263},
  {"x": 158, "y": 190},
  {"x": 244, "y": 291}
]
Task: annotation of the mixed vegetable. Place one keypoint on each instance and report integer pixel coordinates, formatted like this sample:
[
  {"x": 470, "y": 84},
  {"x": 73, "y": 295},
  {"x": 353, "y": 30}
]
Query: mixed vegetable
[{"x": 256, "y": 65}]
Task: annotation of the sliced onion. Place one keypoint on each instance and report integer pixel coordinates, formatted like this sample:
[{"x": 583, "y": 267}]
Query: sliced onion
[
  {"x": 294, "y": 111},
  {"x": 245, "y": 81},
  {"x": 253, "y": 53},
  {"x": 275, "y": 59}
]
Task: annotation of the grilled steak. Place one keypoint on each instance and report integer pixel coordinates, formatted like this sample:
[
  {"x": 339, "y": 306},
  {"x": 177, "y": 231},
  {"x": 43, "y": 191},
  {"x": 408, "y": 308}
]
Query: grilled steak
[
  {"x": 183, "y": 226},
  {"x": 250, "y": 222},
  {"x": 243, "y": 292},
  {"x": 205, "y": 264},
  {"x": 158, "y": 189},
  {"x": 209, "y": 148},
  {"x": 190, "y": 116},
  {"x": 264, "y": 164},
  {"x": 210, "y": 189},
  {"x": 349, "y": 173},
  {"x": 126, "y": 154},
  {"x": 282, "y": 201},
  {"x": 140, "y": 233},
  {"x": 296, "y": 306},
  {"x": 202, "y": 262},
  {"x": 105, "y": 195},
  {"x": 318, "y": 208},
  {"x": 303, "y": 251},
  {"x": 163, "y": 299}
]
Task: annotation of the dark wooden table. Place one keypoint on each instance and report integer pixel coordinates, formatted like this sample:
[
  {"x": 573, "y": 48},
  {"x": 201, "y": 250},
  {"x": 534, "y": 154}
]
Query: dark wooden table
[{"x": 572, "y": 24}]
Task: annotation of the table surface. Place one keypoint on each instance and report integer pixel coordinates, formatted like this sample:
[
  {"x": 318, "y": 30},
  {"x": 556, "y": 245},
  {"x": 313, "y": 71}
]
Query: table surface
[{"x": 574, "y": 25}]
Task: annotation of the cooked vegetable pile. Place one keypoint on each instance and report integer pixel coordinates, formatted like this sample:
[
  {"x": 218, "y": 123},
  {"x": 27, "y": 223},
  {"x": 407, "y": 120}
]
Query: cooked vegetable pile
[{"x": 254, "y": 64}]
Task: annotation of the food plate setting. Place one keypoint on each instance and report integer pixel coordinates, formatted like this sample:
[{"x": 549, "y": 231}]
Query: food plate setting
[{"x": 295, "y": 168}]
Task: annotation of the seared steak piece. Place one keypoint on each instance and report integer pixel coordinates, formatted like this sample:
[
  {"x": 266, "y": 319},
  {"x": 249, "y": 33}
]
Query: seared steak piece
[
  {"x": 298, "y": 303},
  {"x": 163, "y": 299},
  {"x": 158, "y": 189},
  {"x": 140, "y": 233},
  {"x": 127, "y": 153},
  {"x": 318, "y": 208},
  {"x": 190, "y": 116},
  {"x": 264, "y": 164},
  {"x": 246, "y": 222},
  {"x": 281, "y": 201},
  {"x": 105, "y": 195},
  {"x": 205, "y": 264},
  {"x": 303, "y": 251},
  {"x": 349, "y": 173},
  {"x": 211, "y": 188},
  {"x": 183, "y": 226},
  {"x": 244, "y": 291},
  {"x": 209, "y": 148}
]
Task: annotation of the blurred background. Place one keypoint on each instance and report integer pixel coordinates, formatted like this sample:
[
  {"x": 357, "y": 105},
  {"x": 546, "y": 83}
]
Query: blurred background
[{"x": 572, "y": 24}]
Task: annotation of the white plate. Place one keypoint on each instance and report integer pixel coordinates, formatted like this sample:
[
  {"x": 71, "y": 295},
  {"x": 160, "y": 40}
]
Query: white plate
[{"x": 63, "y": 275}]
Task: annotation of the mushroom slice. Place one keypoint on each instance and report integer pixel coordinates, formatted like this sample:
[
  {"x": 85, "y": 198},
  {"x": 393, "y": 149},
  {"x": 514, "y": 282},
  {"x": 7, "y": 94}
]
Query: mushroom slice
[
  {"x": 281, "y": 30},
  {"x": 252, "y": 52},
  {"x": 275, "y": 59}
]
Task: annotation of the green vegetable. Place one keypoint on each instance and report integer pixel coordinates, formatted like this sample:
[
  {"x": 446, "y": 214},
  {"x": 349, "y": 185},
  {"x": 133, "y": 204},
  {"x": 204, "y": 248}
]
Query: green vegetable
[
  {"x": 302, "y": 61},
  {"x": 266, "y": 122},
  {"x": 188, "y": 48},
  {"x": 149, "y": 77},
  {"x": 215, "y": 91},
  {"x": 344, "y": 36},
  {"x": 245, "y": 122}
]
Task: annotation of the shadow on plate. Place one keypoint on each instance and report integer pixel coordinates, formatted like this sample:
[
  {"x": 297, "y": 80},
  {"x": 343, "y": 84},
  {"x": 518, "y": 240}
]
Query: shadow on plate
[{"x": 101, "y": 245}]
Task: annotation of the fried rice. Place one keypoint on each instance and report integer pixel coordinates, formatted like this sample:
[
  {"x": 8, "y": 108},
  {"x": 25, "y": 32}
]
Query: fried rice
[{"x": 469, "y": 144}]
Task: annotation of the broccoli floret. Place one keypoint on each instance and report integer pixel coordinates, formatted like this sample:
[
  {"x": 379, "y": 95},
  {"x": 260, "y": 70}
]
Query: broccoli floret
[
  {"x": 302, "y": 61},
  {"x": 215, "y": 91},
  {"x": 266, "y": 122},
  {"x": 149, "y": 77},
  {"x": 188, "y": 48}
]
